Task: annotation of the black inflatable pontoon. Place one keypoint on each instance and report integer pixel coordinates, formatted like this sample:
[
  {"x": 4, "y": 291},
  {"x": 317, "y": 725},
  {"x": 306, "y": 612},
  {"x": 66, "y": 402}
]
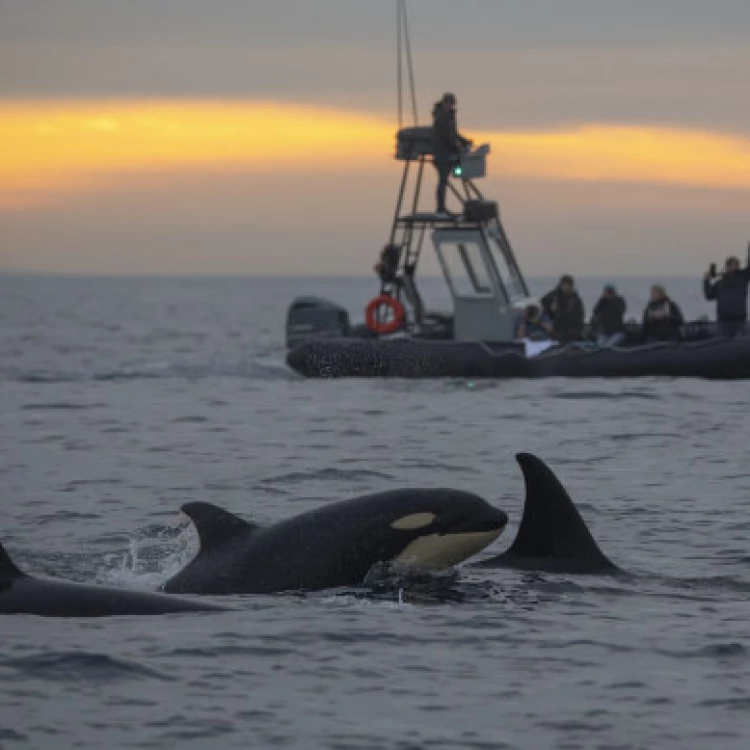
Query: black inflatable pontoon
[{"x": 715, "y": 358}]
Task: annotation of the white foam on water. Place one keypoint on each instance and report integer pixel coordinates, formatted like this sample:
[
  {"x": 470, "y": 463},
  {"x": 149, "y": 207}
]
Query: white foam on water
[
  {"x": 348, "y": 600},
  {"x": 133, "y": 571}
]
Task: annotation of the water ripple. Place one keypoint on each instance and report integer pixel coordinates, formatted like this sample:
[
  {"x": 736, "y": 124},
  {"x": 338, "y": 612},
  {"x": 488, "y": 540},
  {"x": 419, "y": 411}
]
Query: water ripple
[{"x": 78, "y": 666}]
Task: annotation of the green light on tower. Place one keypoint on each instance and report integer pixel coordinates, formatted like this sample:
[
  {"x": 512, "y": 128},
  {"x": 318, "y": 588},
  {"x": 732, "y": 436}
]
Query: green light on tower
[{"x": 458, "y": 171}]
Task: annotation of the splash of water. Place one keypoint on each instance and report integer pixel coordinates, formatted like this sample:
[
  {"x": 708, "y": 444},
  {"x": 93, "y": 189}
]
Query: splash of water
[{"x": 136, "y": 568}]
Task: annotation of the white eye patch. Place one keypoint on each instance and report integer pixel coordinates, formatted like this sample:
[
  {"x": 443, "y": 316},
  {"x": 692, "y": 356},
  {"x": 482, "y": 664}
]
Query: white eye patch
[{"x": 414, "y": 521}]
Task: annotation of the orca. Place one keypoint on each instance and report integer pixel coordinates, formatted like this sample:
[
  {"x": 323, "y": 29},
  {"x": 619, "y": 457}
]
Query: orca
[
  {"x": 335, "y": 545},
  {"x": 552, "y": 536},
  {"x": 20, "y": 594}
]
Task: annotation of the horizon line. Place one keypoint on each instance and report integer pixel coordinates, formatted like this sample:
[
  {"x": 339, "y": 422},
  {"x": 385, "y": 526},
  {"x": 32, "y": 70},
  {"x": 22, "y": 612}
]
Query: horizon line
[{"x": 285, "y": 276}]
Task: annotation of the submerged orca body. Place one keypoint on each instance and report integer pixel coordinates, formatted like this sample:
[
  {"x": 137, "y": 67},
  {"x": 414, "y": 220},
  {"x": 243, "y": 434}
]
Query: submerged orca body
[
  {"x": 335, "y": 545},
  {"x": 552, "y": 536},
  {"x": 20, "y": 594}
]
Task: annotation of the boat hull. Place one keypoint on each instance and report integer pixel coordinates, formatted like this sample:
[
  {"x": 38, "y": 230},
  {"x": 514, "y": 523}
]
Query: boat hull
[{"x": 716, "y": 359}]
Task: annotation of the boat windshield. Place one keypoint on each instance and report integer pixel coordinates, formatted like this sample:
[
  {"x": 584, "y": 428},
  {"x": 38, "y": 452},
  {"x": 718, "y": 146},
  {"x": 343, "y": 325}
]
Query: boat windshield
[
  {"x": 466, "y": 269},
  {"x": 515, "y": 288}
]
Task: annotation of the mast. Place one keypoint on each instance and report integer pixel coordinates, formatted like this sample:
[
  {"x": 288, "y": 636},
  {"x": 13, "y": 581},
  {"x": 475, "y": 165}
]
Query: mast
[
  {"x": 477, "y": 226},
  {"x": 403, "y": 48}
]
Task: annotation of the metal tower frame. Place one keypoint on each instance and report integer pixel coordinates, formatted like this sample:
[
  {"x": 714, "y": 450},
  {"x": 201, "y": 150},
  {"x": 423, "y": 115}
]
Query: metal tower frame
[{"x": 408, "y": 229}]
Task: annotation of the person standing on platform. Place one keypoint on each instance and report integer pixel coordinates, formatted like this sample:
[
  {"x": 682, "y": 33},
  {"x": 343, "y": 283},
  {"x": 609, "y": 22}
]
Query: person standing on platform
[{"x": 447, "y": 144}]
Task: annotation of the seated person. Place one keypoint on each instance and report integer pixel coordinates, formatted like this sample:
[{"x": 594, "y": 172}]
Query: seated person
[
  {"x": 387, "y": 267},
  {"x": 608, "y": 317},
  {"x": 533, "y": 325},
  {"x": 662, "y": 317},
  {"x": 565, "y": 307}
]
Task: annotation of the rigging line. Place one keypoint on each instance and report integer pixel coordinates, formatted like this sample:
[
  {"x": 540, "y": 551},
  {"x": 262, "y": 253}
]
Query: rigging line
[
  {"x": 399, "y": 73},
  {"x": 410, "y": 64}
]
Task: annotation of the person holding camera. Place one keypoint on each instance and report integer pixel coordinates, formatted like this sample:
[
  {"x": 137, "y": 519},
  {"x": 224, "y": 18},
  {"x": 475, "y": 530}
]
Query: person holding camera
[
  {"x": 447, "y": 144},
  {"x": 730, "y": 293}
]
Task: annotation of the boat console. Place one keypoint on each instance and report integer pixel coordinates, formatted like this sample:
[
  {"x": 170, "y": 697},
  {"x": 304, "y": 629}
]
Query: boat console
[
  {"x": 412, "y": 143},
  {"x": 473, "y": 250}
]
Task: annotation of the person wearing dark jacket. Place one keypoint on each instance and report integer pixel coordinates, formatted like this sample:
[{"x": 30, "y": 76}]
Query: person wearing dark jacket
[
  {"x": 607, "y": 320},
  {"x": 730, "y": 292},
  {"x": 447, "y": 144},
  {"x": 387, "y": 267},
  {"x": 662, "y": 317},
  {"x": 564, "y": 306}
]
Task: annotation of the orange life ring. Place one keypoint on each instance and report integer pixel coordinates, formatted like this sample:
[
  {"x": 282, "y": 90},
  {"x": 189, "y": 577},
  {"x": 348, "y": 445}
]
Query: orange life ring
[{"x": 373, "y": 320}]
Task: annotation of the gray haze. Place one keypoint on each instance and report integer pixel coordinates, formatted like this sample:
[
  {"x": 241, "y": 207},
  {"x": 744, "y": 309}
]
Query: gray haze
[{"x": 531, "y": 63}]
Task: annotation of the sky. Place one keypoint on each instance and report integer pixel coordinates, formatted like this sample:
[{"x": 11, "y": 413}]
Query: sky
[{"x": 245, "y": 137}]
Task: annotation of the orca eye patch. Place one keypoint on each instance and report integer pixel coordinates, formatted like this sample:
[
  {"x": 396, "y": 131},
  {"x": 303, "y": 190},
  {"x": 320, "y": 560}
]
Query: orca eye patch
[{"x": 414, "y": 521}]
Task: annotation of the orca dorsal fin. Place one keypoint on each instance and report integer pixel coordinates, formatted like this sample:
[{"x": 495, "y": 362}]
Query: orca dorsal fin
[
  {"x": 8, "y": 568},
  {"x": 551, "y": 527},
  {"x": 215, "y": 525}
]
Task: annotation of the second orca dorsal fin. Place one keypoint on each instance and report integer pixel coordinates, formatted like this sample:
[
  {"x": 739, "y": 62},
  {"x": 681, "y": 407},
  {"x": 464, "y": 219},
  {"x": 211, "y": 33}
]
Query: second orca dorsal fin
[
  {"x": 214, "y": 525},
  {"x": 551, "y": 527},
  {"x": 8, "y": 568}
]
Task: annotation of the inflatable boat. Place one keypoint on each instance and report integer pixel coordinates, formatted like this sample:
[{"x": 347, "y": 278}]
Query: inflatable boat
[
  {"x": 400, "y": 339},
  {"x": 713, "y": 358}
]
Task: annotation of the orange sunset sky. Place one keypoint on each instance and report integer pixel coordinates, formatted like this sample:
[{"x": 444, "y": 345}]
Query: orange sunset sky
[{"x": 258, "y": 137}]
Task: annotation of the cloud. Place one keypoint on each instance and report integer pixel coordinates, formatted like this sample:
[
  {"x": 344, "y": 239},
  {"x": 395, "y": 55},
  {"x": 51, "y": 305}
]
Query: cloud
[
  {"x": 59, "y": 148},
  {"x": 516, "y": 63},
  {"x": 605, "y": 153},
  {"x": 55, "y": 150}
]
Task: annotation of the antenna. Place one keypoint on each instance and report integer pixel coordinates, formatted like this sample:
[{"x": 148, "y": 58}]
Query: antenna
[
  {"x": 399, "y": 77},
  {"x": 403, "y": 44}
]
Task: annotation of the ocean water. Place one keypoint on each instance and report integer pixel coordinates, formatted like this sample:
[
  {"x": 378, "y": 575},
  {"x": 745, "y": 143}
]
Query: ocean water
[{"x": 121, "y": 399}]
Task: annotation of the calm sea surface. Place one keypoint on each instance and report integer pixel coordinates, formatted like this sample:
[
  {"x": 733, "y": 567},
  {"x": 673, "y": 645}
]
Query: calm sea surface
[{"x": 122, "y": 399}]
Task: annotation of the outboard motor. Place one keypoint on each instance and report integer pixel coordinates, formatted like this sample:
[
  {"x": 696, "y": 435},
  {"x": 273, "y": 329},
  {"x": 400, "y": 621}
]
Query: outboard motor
[{"x": 314, "y": 317}]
